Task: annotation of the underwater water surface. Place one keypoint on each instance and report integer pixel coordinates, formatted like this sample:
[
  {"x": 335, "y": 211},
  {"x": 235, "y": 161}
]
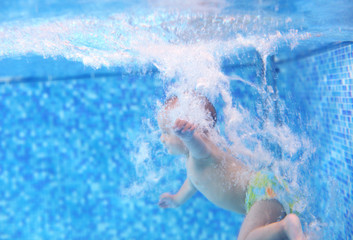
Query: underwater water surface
[{"x": 81, "y": 84}]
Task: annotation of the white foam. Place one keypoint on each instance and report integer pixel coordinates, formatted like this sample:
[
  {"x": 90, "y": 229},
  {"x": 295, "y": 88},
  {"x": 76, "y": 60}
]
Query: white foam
[
  {"x": 193, "y": 5},
  {"x": 187, "y": 49}
]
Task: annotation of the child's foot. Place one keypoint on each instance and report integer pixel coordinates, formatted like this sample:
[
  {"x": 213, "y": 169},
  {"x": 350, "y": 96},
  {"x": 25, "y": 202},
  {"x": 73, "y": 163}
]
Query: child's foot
[{"x": 293, "y": 228}]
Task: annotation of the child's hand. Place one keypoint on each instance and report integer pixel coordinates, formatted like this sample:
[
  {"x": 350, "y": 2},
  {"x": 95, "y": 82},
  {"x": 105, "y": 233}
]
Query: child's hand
[
  {"x": 184, "y": 129},
  {"x": 167, "y": 200}
]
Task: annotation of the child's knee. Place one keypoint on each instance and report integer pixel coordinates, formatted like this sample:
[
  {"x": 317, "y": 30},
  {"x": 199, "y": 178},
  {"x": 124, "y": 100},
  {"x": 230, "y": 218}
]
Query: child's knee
[{"x": 292, "y": 221}]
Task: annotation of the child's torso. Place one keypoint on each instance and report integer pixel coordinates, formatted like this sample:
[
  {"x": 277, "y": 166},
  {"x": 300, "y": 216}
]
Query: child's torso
[{"x": 221, "y": 178}]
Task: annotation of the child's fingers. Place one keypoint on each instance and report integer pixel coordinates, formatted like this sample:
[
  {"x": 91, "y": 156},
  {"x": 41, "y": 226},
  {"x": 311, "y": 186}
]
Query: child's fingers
[
  {"x": 176, "y": 124},
  {"x": 183, "y": 125},
  {"x": 188, "y": 127},
  {"x": 165, "y": 203},
  {"x": 162, "y": 204},
  {"x": 166, "y": 200},
  {"x": 179, "y": 124}
]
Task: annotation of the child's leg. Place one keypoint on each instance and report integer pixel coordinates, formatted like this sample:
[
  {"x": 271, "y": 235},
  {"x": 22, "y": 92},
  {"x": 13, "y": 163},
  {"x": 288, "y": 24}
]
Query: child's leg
[{"x": 262, "y": 222}]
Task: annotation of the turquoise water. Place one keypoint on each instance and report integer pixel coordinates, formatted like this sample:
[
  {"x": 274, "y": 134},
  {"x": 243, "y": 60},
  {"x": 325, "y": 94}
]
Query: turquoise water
[{"x": 81, "y": 84}]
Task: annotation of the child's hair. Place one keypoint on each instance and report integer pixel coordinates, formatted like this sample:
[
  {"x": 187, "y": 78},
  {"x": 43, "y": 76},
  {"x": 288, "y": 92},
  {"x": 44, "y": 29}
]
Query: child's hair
[{"x": 169, "y": 103}]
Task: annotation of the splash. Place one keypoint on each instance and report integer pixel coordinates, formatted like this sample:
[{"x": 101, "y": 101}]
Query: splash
[
  {"x": 188, "y": 50},
  {"x": 122, "y": 38},
  {"x": 194, "y": 5}
]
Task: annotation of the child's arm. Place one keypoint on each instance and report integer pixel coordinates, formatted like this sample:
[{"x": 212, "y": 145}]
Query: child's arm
[
  {"x": 196, "y": 145},
  {"x": 186, "y": 191}
]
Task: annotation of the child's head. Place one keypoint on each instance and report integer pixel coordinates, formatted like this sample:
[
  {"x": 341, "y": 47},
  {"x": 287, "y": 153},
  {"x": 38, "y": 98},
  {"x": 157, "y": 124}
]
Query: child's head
[{"x": 194, "y": 108}]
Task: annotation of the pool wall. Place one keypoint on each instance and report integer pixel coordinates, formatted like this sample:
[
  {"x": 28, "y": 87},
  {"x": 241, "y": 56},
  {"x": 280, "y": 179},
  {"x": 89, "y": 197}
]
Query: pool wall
[
  {"x": 67, "y": 132},
  {"x": 67, "y": 137},
  {"x": 320, "y": 84}
]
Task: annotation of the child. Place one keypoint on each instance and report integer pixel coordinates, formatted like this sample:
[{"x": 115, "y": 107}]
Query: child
[{"x": 224, "y": 180}]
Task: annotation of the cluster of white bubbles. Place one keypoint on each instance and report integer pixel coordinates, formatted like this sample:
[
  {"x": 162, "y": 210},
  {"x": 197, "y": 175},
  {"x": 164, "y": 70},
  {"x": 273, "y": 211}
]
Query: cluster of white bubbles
[{"x": 187, "y": 48}]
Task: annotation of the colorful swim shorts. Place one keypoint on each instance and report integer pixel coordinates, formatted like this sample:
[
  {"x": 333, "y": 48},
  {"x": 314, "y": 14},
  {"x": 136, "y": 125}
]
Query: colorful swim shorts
[{"x": 265, "y": 185}]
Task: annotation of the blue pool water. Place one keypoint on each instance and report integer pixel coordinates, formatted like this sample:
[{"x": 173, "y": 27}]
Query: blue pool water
[{"x": 81, "y": 83}]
